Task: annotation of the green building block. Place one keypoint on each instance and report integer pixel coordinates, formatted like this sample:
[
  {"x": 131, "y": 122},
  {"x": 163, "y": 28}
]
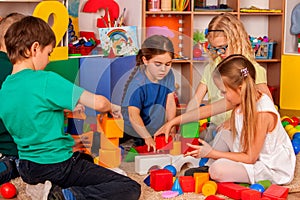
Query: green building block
[
  {"x": 131, "y": 155},
  {"x": 190, "y": 130}
]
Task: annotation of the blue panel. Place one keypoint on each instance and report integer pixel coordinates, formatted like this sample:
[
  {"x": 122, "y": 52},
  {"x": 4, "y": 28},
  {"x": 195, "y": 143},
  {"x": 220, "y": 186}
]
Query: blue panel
[
  {"x": 120, "y": 71},
  {"x": 94, "y": 76}
]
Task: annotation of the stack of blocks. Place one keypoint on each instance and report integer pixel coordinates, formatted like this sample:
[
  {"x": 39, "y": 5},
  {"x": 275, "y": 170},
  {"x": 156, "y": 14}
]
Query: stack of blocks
[{"x": 111, "y": 130}]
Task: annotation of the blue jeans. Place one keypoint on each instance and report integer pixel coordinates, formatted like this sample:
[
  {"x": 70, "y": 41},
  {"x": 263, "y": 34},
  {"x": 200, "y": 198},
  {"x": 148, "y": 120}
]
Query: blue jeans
[
  {"x": 8, "y": 168},
  {"x": 85, "y": 179}
]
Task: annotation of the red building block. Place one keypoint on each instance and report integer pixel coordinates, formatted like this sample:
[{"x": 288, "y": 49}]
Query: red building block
[
  {"x": 161, "y": 179},
  {"x": 214, "y": 197},
  {"x": 184, "y": 147},
  {"x": 161, "y": 143},
  {"x": 276, "y": 192},
  {"x": 187, "y": 183},
  {"x": 231, "y": 190},
  {"x": 251, "y": 195}
]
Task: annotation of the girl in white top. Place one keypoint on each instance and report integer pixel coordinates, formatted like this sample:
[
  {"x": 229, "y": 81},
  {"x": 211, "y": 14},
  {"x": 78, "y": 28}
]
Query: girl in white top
[{"x": 260, "y": 149}]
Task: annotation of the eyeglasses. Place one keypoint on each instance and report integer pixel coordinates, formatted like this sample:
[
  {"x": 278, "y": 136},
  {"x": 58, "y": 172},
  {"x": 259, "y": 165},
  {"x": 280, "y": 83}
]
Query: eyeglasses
[{"x": 217, "y": 50}]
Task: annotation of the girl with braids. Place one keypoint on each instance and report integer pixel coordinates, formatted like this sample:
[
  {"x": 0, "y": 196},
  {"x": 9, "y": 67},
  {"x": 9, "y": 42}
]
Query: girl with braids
[
  {"x": 226, "y": 35},
  {"x": 148, "y": 98},
  {"x": 261, "y": 148}
]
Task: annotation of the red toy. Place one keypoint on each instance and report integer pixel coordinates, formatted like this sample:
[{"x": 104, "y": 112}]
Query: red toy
[
  {"x": 187, "y": 183},
  {"x": 276, "y": 192},
  {"x": 213, "y": 197},
  {"x": 161, "y": 143},
  {"x": 161, "y": 179},
  {"x": 251, "y": 195},
  {"x": 231, "y": 190},
  {"x": 8, "y": 190}
]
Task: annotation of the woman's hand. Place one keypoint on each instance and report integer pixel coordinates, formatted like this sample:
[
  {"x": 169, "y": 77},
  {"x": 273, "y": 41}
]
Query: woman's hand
[
  {"x": 200, "y": 150},
  {"x": 150, "y": 143}
]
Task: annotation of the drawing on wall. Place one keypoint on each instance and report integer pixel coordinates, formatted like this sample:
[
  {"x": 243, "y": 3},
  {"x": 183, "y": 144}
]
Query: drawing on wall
[{"x": 122, "y": 40}]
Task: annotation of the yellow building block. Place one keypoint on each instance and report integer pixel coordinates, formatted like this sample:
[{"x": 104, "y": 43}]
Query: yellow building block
[
  {"x": 200, "y": 179},
  {"x": 176, "y": 148},
  {"x": 209, "y": 188},
  {"x": 113, "y": 128},
  {"x": 110, "y": 158},
  {"x": 108, "y": 143}
]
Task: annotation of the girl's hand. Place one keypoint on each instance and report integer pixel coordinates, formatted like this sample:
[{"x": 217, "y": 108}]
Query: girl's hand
[
  {"x": 165, "y": 129},
  {"x": 150, "y": 143},
  {"x": 200, "y": 150},
  {"x": 116, "y": 111}
]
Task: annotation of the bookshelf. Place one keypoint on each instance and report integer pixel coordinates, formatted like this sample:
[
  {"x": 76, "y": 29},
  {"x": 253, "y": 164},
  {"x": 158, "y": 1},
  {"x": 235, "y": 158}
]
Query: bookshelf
[{"x": 261, "y": 23}]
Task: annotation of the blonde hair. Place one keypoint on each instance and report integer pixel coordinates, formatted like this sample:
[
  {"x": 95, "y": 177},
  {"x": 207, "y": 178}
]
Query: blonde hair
[
  {"x": 237, "y": 71},
  {"x": 152, "y": 46},
  {"x": 5, "y": 23},
  {"x": 233, "y": 30}
]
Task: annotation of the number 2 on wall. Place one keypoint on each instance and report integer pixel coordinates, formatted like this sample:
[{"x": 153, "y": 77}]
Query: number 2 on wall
[{"x": 60, "y": 24}]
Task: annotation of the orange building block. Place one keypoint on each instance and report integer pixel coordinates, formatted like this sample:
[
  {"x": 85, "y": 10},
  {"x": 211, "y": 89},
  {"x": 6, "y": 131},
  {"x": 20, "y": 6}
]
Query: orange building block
[
  {"x": 108, "y": 143},
  {"x": 200, "y": 179},
  {"x": 85, "y": 138},
  {"x": 110, "y": 158},
  {"x": 112, "y": 128}
]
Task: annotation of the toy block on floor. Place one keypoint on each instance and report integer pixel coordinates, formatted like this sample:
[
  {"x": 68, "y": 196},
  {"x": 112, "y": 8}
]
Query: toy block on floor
[
  {"x": 276, "y": 192},
  {"x": 200, "y": 179},
  {"x": 231, "y": 190},
  {"x": 177, "y": 187},
  {"x": 131, "y": 155},
  {"x": 161, "y": 179},
  {"x": 190, "y": 130},
  {"x": 251, "y": 195},
  {"x": 161, "y": 143},
  {"x": 187, "y": 183},
  {"x": 144, "y": 163},
  {"x": 179, "y": 160},
  {"x": 112, "y": 128},
  {"x": 106, "y": 143},
  {"x": 213, "y": 197},
  {"x": 209, "y": 188},
  {"x": 111, "y": 158}
]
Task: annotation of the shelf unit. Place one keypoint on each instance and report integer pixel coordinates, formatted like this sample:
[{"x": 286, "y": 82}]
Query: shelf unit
[{"x": 188, "y": 71}]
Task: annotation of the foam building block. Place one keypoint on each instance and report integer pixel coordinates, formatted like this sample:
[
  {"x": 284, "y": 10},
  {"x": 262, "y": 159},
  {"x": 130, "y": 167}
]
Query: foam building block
[
  {"x": 184, "y": 147},
  {"x": 111, "y": 158},
  {"x": 213, "y": 197},
  {"x": 276, "y": 192},
  {"x": 176, "y": 148},
  {"x": 187, "y": 183},
  {"x": 190, "y": 130},
  {"x": 177, "y": 187},
  {"x": 106, "y": 143},
  {"x": 179, "y": 160},
  {"x": 144, "y": 163},
  {"x": 250, "y": 195},
  {"x": 200, "y": 179},
  {"x": 161, "y": 143},
  {"x": 161, "y": 179},
  {"x": 209, "y": 188},
  {"x": 112, "y": 128},
  {"x": 231, "y": 190}
]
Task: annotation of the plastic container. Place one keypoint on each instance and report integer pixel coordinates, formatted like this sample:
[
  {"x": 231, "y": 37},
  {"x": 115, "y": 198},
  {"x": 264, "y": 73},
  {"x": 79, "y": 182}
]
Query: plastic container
[
  {"x": 263, "y": 50},
  {"x": 154, "y": 5}
]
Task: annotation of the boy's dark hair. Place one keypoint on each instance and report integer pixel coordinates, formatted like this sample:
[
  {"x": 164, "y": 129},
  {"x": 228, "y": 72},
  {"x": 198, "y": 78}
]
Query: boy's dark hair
[
  {"x": 152, "y": 46},
  {"x": 21, "y": 35}
]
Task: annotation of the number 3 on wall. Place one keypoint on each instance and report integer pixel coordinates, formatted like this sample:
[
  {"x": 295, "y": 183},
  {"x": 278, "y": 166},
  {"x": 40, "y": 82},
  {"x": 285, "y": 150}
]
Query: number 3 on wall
[{"x": 60, "y": 24}]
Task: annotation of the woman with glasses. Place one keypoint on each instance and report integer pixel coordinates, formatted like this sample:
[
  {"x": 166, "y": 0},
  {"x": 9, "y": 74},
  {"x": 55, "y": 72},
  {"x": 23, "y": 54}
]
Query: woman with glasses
[{"x": 226, "y": 35}]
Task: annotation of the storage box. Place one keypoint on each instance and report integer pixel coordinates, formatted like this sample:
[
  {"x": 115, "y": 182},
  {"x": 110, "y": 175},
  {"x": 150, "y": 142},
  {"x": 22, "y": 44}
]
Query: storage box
[{"x": 263, "y": 50}]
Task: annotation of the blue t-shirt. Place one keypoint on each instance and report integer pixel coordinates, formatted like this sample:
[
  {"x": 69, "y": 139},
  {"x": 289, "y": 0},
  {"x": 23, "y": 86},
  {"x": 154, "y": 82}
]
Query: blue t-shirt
[{"x": 150, "y": 98}]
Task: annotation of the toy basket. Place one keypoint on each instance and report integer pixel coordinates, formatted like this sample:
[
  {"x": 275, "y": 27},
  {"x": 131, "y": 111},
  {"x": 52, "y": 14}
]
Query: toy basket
[
  {"x": 263, "y": 50},
  {"x": 83, "y": 50}
]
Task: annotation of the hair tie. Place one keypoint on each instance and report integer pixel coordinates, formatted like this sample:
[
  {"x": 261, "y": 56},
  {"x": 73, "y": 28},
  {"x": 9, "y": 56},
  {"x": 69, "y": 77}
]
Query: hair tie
[
  {"x": 206, "y": 31},
  {"x": 244, "y": 72}
]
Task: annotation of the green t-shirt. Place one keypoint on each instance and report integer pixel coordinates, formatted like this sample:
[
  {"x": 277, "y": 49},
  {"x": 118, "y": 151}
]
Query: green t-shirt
[
  {"x": 7, "y": 144},
  {"x": 214, "y": 93},
  {"x": 32, "y": 104}
]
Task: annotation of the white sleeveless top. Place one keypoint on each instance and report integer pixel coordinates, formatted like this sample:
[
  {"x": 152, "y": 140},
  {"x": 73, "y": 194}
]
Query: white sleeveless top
[{"x": 277, "y": 159}]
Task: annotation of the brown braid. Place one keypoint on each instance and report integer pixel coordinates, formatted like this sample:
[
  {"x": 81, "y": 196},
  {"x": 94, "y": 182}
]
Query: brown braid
[{"x": 152, "y": 46}]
